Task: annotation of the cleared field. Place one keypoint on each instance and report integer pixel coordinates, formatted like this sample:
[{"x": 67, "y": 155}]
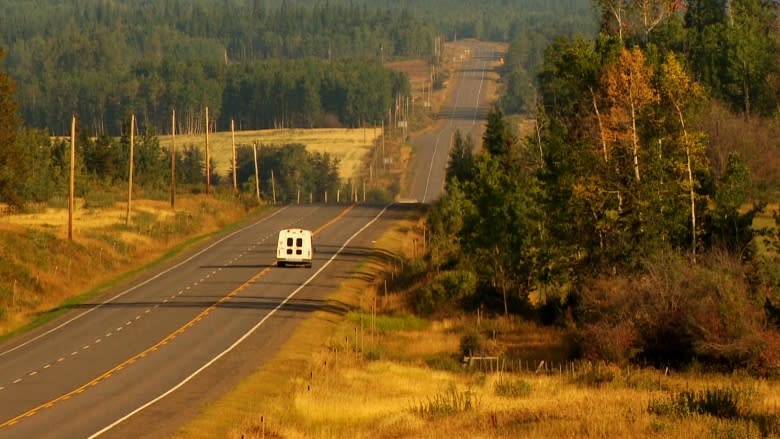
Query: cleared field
[{"x": 348, "y": 145}]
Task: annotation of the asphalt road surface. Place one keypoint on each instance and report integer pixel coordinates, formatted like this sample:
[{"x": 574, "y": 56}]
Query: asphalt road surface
[
  {"x": 153, "y": 352},
  {"x": 145, "y": 358},
  {"x": 464, "y": 110}
]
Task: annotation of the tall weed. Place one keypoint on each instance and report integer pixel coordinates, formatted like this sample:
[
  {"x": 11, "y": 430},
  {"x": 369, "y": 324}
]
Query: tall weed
[{"x": 449, "y": 403}]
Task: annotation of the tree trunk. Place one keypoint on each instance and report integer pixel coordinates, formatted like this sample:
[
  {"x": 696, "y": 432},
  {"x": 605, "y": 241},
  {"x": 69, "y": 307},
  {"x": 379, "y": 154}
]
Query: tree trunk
[
  {"x": 601, "y": 125},
  {"x": 691, "y": 189}
]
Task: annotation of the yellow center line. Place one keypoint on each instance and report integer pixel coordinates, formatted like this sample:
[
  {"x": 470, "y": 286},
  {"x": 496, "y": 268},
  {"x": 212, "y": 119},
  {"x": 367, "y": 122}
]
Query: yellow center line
[
  {"x": 160, "y": 343},
  {"x": 334, "y": 220}
]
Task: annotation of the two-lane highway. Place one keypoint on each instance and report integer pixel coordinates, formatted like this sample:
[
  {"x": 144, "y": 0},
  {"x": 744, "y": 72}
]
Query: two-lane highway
[
  {"x": 104, "y": 366},
  {"x": 464, "y": 110},
  {"x": 146, "y": 358}
]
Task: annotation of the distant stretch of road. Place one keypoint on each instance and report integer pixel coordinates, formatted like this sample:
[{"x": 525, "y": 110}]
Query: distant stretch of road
[
  {"x": 145, "y": 358},
  {"x": 126, "y": 365},
  {"x": 464, "y": 110}
]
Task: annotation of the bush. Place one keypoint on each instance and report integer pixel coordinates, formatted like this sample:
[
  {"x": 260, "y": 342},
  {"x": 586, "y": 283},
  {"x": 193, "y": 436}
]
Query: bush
[
  {"x": 726, "y": 403},
  {"x": 448, "y": 403},
  {"x": 378, "y": 195},
  {"x": 510, "y": 388},
  {"x": 471, "y": 343},
  {"x": 444, "y": 362},
  {"x": 445, "y": 293},
  {"x": 675, "y": 313}
]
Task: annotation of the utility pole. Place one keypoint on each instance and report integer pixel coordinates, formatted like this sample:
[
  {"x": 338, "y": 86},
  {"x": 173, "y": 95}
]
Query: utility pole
[
  {"x": 208, "y": 157},
  {"x": 257, "y": 172},
  {"x": 130, "y": 178},
  {"x": 383, "y": 144},
  {"x": 233, "y": 137},
  {"x": 273, "y": 186},
  {"x": 173, "y": 159},
  {"x": 72, "y": 176}
]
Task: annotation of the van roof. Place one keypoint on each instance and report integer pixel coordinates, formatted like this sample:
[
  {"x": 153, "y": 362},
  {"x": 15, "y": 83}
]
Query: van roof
[{"x": 294, "y": 231}]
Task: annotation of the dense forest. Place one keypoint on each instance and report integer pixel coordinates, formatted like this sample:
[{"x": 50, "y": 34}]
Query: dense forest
[
  {"x": 262, "y": 64},
  {"x": 635, "y": 213},
  {"x": 106, "y": 59}
]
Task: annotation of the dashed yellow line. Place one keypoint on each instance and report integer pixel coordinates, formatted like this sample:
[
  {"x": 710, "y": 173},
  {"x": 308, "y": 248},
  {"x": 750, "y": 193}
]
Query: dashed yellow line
[{"x": 156, "y": 346}]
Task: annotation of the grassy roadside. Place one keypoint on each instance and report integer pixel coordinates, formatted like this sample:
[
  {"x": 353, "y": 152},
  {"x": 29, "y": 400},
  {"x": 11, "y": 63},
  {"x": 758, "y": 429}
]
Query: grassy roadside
[
  {"x": 380, "y": 372},
  {"x": 242, "y": 412},
  {"x": 44, "y": 274}
]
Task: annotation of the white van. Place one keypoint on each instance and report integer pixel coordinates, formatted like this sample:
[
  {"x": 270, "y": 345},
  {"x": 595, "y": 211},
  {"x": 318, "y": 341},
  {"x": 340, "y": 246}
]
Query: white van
[{"x": 294, "y": 248}]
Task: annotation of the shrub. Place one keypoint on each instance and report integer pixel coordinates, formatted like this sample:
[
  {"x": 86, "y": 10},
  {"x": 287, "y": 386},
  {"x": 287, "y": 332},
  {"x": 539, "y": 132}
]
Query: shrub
[
  {"x": 378, "y": 195},
  {"x": 445, "y": 292},
  {"x": 726, "y": 403},
  {"x": 512, "y": 388},
  {"x": 615, "y": 344},
  {"x": 675, "y": 313},
  {"x": 449, "y": 403},
  {"x": 444, "y": 362},
  {"x": 471, "y": 343},
  {"x": 596, "y": 376}
]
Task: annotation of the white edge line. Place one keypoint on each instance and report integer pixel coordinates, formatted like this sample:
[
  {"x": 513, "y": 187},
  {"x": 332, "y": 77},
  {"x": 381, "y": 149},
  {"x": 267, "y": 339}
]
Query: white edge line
[
  {"x": 56, "y": 328},
  {"x": 245, "y": 336}
]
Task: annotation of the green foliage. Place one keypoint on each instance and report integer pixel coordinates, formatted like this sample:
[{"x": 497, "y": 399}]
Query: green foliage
[
  {"x": 9, "y": 158},
  {"x": 498, "y": 138},
  {"x": 595, "y": 376},
  {"x": 727, "y": 403},
  {"x": 99, "y": 198},
  {"x": 378, "y": 195},
  {"x": 388, "y": 323},
  {"x": 288, "y": 169},
  {"x": 731, "y": 224},
  {"x": 39, "y": 179},
  {"x": 512, "y": 388},
  {"x": 176, "y": 55},
  {"x": 444, "y": 293},
  {"x": 732, "y": 51},
  {"x": 461, "y": 163},
  {"x": 445, "y": 362}
]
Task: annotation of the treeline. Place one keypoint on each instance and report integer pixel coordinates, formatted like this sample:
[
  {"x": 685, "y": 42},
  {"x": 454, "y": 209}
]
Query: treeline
[
  {"x": 39, "y": 170},
  {"x": 612, "y": 218},
  {"x": 730, "y": 50},
  {"x": 106, "y": 59},
  {"x": 256, "y": 95}
]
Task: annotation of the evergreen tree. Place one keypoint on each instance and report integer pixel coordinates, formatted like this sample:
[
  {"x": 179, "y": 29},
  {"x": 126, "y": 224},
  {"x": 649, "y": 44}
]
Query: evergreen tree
[
  {"x": 498, "y": 139},
  {"x": 9, "y": 157},
  {"x": 461, "y": 164}
]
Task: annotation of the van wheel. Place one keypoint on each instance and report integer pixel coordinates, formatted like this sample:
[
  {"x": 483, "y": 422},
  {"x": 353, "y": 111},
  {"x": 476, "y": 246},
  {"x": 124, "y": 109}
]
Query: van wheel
[
  {"x": 308, "y": 265},
  {"x": 280, "y": 264}
]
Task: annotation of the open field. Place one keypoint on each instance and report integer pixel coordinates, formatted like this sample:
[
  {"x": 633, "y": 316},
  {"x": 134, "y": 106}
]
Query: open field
[{"x": 349, "y": 146}]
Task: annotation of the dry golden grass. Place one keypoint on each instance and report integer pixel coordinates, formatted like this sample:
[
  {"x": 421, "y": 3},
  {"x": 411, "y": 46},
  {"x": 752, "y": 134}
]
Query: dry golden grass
[
  {"x": 102, "y": 249},
  {"x": 337, "y": 379},
  {"x": 349, "y": 146},
  {"x": 56, "y": 219}
]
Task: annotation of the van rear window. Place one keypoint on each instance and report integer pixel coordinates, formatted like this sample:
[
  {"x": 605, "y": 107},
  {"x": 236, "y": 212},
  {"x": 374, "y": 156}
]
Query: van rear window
[
  {"x": 289, "y": 242},
  {"x": 299, "y": 242}
]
